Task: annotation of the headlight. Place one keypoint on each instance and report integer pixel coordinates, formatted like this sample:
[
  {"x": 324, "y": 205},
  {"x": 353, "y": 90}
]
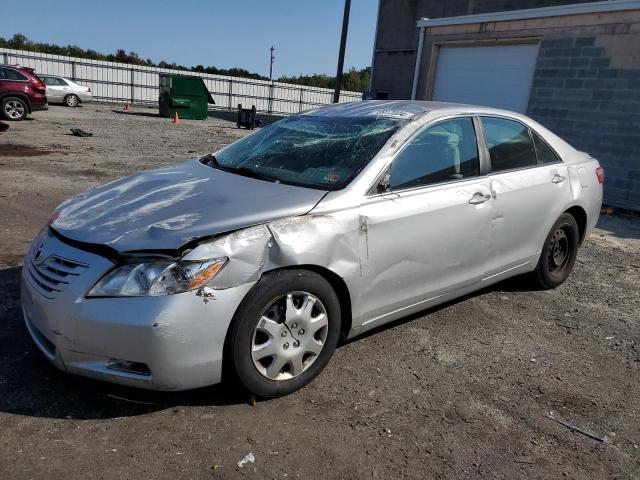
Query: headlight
[{"x": 156, "y": 278}]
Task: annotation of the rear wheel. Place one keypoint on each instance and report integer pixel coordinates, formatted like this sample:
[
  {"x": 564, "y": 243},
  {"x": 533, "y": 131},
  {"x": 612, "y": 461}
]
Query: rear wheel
[
  {"x": 13, "y": 108},
  {"x": 559, "y": 253},
  {"x": 71, "y": 100},
  {"x": 284, "y": 332}
]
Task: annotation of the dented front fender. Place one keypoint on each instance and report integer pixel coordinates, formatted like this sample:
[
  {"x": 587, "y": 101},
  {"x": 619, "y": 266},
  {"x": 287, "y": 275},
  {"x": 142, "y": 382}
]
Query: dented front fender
[{"x": 331, "y": 242}]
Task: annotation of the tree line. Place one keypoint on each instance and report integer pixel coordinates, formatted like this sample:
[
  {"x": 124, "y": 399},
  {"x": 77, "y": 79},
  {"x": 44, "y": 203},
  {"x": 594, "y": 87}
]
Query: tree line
[{"x": 355, "y": 80}]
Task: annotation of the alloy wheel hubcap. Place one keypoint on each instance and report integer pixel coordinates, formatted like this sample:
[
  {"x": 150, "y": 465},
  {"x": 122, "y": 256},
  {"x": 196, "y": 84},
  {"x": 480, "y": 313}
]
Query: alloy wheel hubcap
[
  {"x": 14, "y": 109},
  {"x": 289, "y": 335},
  {"x": 72, "y": 101}
]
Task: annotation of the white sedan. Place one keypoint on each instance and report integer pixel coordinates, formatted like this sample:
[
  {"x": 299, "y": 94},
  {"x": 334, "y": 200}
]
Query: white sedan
[{"x": 66, "y": 91}]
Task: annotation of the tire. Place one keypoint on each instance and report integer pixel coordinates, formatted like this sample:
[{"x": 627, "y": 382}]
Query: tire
[
  {"x": 13, "y": 109},
  {"x": 558, "y": 253},
  {"x": 72, "y": 100},
  {"x": 279, "y": 340}
]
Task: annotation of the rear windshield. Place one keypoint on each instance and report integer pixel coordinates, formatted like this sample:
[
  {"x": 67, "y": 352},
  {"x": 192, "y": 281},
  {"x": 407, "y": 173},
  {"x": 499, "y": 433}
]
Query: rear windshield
[{"x": 310, "y": 151}]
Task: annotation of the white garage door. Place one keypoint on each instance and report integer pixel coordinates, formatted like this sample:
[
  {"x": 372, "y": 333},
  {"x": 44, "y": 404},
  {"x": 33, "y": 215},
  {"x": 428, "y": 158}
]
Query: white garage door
[{"x": 496, "y": 76}]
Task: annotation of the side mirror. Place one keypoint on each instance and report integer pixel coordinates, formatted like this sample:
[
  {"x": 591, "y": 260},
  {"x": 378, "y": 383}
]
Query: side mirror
[{"x": 384, "y": 185}]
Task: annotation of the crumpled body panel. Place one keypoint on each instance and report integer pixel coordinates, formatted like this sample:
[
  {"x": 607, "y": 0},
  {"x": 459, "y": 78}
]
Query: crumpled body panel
[
  {"x": 328, "y": 241},
  {"x": 165, "y": 208}
]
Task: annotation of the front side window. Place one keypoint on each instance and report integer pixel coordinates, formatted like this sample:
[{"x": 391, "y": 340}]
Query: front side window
[
  {"x": 509, "y": 144},
  {"x": 54, "y": 82},
  {"x": 308, "y": 150},
  {"x": 443, "y": 152}
]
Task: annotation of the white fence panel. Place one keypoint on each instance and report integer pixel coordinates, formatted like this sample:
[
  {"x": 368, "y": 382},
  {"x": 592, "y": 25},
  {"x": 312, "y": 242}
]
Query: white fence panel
[{"x": 119, "y": 82}]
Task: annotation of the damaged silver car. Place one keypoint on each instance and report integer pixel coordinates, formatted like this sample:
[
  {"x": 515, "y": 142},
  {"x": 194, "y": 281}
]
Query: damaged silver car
[{"x": 255, "y": 260}]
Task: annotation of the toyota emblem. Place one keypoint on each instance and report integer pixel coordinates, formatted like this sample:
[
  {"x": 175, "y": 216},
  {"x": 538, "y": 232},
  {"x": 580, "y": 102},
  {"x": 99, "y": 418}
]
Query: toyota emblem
[{"x": 37, "y": 253}]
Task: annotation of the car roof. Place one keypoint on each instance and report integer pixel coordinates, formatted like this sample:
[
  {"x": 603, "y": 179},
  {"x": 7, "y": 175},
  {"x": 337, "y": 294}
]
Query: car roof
[
  {"x": 402, "y": 109},
  {"x": 18, "y": 67}
]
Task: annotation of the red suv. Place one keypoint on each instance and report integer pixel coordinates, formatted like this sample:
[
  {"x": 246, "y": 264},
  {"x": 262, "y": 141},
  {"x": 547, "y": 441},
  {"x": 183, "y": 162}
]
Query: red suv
[{"x": 21, "y": 92}]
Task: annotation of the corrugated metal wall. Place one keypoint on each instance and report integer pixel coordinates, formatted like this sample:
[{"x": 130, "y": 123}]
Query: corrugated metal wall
[{"x": 120, "y": 82}]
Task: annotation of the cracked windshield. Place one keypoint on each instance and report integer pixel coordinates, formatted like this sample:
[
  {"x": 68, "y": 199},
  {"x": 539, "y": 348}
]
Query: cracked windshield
[{"x": 309, "y": 151}]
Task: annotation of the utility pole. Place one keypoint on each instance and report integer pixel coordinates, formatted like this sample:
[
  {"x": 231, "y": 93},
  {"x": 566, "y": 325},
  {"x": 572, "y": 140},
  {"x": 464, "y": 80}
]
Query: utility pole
[
  {"x": 271, "y": 64},
  {"x": 343, "y": 44}
]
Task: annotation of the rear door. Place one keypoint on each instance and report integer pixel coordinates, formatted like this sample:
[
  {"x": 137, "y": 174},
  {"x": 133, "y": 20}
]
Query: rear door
[
  {"x": 55, "y": 88},
  {"x": 429, "y": 233},
  {"x": 530, "y": 185}
]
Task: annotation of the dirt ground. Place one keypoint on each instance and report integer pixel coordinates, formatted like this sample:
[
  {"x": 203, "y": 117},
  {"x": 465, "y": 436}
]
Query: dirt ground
[{"x": 506, "y": 383}]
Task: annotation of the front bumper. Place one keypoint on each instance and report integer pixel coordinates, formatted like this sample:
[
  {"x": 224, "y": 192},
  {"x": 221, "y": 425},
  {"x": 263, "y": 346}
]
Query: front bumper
[{"x": 180, "y": 338}]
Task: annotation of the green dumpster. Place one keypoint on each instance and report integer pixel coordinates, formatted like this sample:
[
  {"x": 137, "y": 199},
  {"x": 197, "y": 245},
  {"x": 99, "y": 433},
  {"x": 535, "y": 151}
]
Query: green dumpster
[{"x": 188, "y": 96}]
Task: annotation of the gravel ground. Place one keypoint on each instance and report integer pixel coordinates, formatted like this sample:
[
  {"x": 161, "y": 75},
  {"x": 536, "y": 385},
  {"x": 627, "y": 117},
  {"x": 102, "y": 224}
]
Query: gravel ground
[{"x": 506, "y": 383}]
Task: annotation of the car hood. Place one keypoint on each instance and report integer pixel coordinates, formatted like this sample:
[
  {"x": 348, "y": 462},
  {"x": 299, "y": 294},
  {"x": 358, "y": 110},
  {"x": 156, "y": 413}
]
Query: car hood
[{"x": 165, "y": 208}]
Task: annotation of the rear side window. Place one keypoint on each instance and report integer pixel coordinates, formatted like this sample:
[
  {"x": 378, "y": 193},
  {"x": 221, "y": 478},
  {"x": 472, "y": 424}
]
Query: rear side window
[
  {"x": 510, "y": 145},
  {"x": 11, "y": 74},
  {"x": 443, "y": 152},
  {"x": 544, "y": 151}
]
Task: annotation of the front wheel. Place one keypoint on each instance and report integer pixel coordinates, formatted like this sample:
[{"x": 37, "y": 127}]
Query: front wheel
[
  {"x": 558, "y": 253},
  {"x": 71, "y": 100},
  {"x": 284, "y": 332}
]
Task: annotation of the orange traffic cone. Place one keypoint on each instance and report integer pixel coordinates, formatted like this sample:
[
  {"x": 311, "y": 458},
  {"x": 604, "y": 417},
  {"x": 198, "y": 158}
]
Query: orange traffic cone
[
  {"x": 176, "y": 119},
  {"x": 127, "y": 107}
]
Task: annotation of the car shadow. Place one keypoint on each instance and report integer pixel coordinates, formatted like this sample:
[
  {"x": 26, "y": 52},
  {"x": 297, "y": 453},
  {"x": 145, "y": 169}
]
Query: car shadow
[
  {"x": 521, "y": 283},
  {"x": 31, "y": 386},
  {"x": 138, "y": 114}
]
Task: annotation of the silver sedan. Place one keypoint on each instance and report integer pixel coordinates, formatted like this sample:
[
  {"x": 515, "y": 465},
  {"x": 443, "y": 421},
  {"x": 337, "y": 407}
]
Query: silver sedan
[
  {"x": 254, "y": 261},
  {"x": 66, "y": 91}
]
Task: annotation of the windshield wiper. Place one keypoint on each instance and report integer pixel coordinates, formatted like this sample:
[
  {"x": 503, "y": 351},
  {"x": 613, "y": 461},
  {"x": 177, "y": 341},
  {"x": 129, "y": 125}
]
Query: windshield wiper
[
  {"x": 247, "y": 172},
  {"x": 212, "y": 161}
]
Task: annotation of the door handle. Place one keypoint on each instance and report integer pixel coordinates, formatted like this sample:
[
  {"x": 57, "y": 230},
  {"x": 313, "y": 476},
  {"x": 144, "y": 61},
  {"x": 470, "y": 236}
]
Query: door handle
[
  {"x": 479, "y": 197},
  {"x": 558, "y": 178}
]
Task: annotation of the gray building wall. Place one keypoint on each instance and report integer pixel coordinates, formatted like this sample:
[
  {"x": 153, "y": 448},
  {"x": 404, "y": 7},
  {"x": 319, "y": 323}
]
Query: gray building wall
[
  {"x": 586, "y": 84},
  {"x": 397, "y": 34},
  {"x": 585, "y": 95}
]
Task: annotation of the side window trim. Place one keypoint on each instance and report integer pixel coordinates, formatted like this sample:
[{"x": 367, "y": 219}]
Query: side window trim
[
  {"x": 483, "y": 150},
  {"x": 371, "y": 192},
  {"x": 532, "y": 132}
]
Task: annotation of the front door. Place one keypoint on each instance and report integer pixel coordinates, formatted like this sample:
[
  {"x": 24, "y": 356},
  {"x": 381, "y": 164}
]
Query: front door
[{"x": 429, "y": 234}]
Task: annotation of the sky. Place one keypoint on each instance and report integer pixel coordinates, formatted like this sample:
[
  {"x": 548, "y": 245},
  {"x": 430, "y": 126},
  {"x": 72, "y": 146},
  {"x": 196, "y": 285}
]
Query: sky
[{"x": 222, "y": 33}]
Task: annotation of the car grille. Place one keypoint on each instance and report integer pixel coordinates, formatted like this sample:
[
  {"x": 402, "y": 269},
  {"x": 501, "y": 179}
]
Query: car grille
[{"x": 53, "y": 275}]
